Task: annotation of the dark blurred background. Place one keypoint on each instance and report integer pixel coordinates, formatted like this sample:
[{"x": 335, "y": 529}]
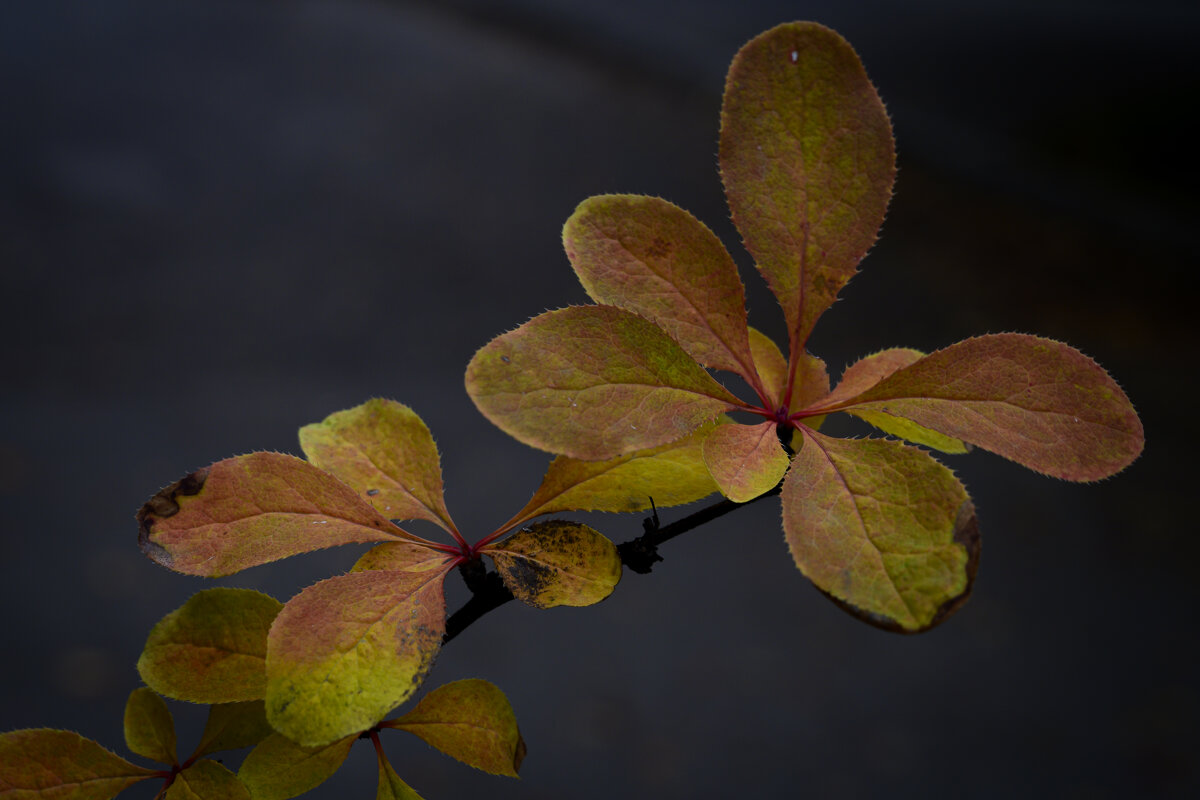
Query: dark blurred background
[{"x": 220, "y": 221}]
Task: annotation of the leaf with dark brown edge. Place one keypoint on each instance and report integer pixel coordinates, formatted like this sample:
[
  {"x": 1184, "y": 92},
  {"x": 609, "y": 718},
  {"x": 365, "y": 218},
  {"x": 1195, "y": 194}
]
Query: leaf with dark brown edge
[
  {"x": 212, "y": 649},
  {"x": 346, "y": 650},
  {"x": 593, "y": 382},
  {"x": 279, "y": 768},
  {"x": 149, "y": 727},
  {"x": 385, "y": 452},
  {"x": 390, "y": 785},
  {"x": 232, "y": 726},
  {"x": 401, "y": 556},
  {"x": 808, "y": 161},
  {"x": 206, "y": 780},
  {"x": 252, "y": 509},
  {"x": 470, "y": 720},
  {"x": 61, "y": 765},
  {"x": 557, "y": 563},
  {"x": 657, "y": 260},
  {"x": 745, "y": 460},
  {"x": 882, "y": 528},
  {"x": 1035, "y": 401}
]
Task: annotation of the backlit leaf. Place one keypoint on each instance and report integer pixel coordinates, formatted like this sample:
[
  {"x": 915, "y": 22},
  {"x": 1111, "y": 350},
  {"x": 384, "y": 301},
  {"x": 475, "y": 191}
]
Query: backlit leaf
[
  {"x": 149, "y": 727},
  {"x": 279, "y": 768},
  {"x": 657, "y": 260},
  {"x": 470, "y": 720},
  {"x": 592, "y": 382},
  {"x": 253, "y": 509},
  {"x": 882, "y": 528},
  {"x": 212, "y": 649},
  {"x": 206, "y": 780},
  {"x": 807, "y": 160},
  {"x": 402, "y": 556},
  {"x": 867, "y": 372},
  {"x": 232, "y": 726},
  {"x": 907, "y": 429},
  {"x": 745, "y": 460},
  {"x": 390, "y": 785},
  {"x": 772, "y": 366},
  {"x": 345, "y": 651},
  {"x": 384, "y": 451},
  {"x": 557, "y": 563},
  {"x": 61, "y": 765}
]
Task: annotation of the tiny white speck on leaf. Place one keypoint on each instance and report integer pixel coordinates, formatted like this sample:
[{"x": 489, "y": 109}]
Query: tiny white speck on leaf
[{"x": 795, "y": 56}]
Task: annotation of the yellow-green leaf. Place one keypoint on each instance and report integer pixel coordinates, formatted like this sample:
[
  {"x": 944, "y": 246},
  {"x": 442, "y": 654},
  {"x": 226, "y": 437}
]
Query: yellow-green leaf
[
  {"x": 592, "y": 382},
  {"x": 402, "y": 556},
  {"x": 557, "y": 563},
  {"x": 909, "y": 430},
  {"x": 279, "y": 768},
  {"x": 882, "y": 528},
  {"x": 745, "y": 460},
  {"x": 345, "y": 651},
  {"x": 206, "y": 780},
  {"x": 390, "y": 785},
  {"x": 212, "y": 649},
  {"x": 253, "y": 509},
  {"x": 384, "y": 451},
  {"x": 808, "y": 160},
  {"x": 470, "y": 720},
  {"x": 771, "y": 365},
  {"x": 231, "y": 726},
  {"x": 149, "y": 727},
  {"x": 61, "y": 765}
]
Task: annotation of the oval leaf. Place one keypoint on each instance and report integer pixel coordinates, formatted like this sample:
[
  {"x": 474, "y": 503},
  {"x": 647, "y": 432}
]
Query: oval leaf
[
  {"x": 252, "y": 509},
  {"x": 206, "y": 780},
  {"x": 345, "y": 651},
  {"x": 212, "y": 649},
  {"x": 390, "y": 785},
  {"x": 808, "y": 161},
  {"x": 745, "y": 460},
  {"x": 384, "y": 451},
  {"x": 557, "y": 563},
  {"x": 231, "y": 726},
  {"x": 279, "y": 768},
  {"x": 47, "y": 763},
  {"x": 470, "y": 720},
  {"x": 149, "y": 727},
  {"x": 592, "y": 382},
  {"x": 882, "y": 528},
  {"x": 401, "y": 556}
]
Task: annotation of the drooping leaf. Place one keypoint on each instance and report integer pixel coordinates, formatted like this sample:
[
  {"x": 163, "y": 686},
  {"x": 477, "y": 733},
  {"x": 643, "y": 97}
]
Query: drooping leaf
[
  {"x": 657, "y": 260},
  {"x": 745, "y": 460},
  {"x": 592, "y": 382},
  {"x": 1036, "y": 401},
  {"x": 232, "y": 726},
  {"x": 401, "y": 556},
  {"x": 346, "y": 650},
  {"x": 771, "y": 365},
  {"x": 808, "y": 160},
  {"x": 384, "y": 451},
  {"x": 390, "y": 785},
  {"x": 212, "y": 649},
  {"x": 470, "y": 720},
  {"x": 149, "y": 727},
  {"x": 279, "y": 768},
  {"x": 61, "y": 765},
  {"x": 882, "y": 528},
  {"x": 206, "y": 780},
  {"x": 557, "y": 563},
  {"x": 252, "y": 509}
]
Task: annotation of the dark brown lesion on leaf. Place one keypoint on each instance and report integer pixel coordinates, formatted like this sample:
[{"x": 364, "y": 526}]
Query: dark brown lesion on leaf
[
  {"x": 162, "y": 505},
  {"x": 526, "y": 579}
]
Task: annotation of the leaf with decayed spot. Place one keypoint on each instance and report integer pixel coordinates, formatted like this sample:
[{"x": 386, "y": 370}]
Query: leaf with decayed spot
[
  {"x": 882, "y": 528},
  {"x": 557, "y": 563},
  {"x": 1035, "y": 401},
  {"x": 390, "y": 785},
  {"x": 657, "y": 260},
  {"x": 252, "y": 509},
  {"x": 385, "y": 452},
  {"x": 48, "y": 763},
  {"x": 206, "y": 780},
  {"x": 232, "y": 726},
  {"x": 745, "y": 460},
  {"x": 212, "y": 649},
  {"x": 149, "y": 727},
  {"x": 279, "y": 768},
  {"x": 346, "y": 650},
  {"x": 592, "y": 382},
  {"x": 808, "y": 161}
]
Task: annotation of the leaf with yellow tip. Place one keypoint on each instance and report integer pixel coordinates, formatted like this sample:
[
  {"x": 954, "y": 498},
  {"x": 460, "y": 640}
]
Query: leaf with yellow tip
[
  {"x": 149, "y": 727},
  {"x": 279, "y": 768},
  {"x": 206, "y": 780},
  {"x": 61, "y": 765},
  {"x": 557, "y": 563},
  {"x": 745, "y": 460},
  {"x": 232, "y": 726}
]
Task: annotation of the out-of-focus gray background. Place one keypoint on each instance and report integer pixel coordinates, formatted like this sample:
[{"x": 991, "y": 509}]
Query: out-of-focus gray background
[{"x": 220, "y": 221}]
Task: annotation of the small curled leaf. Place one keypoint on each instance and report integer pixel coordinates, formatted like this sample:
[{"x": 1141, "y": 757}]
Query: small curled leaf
[{"x": 557, "y": 563}]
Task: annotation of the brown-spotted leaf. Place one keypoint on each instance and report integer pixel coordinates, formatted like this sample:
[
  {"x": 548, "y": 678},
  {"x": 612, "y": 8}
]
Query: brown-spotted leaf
[
  {"x": 206, "y": 780},
  {"x": 557, "y": 563},
  {"x": 61, "y": 765},
  {"x": 384, "y": 451},
  {"x": 346, "y": 650},
  {"x": 470, "y": 720},
  {"x": 882, "y": 528},
  {"x": 279, "y": 768},
  {"x": 745, "y": 460},
  {"x": 252, "y": 509},
  {"x": 390, "y": 785},
  {"x": 232, "y": 726},
  {"x": 402, "y": 556},
  {"x": 149, "y": 727},
  {"x": 657, "y": 260},
  {"x": 1036, "y": 401},
  {"x": 592, "y": 382},
  {"x": 808, "y": 160},
  {"x": 212, "y": 649}
]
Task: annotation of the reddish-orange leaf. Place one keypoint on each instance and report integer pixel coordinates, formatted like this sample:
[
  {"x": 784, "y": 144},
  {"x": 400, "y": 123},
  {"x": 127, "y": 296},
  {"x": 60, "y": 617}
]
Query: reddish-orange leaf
[
  {"x": 557, "y": 563},
  {"x": 808, "y": 161},
  {"x": 745, "y": 460},
  {"x": 61, "y": 765}
]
